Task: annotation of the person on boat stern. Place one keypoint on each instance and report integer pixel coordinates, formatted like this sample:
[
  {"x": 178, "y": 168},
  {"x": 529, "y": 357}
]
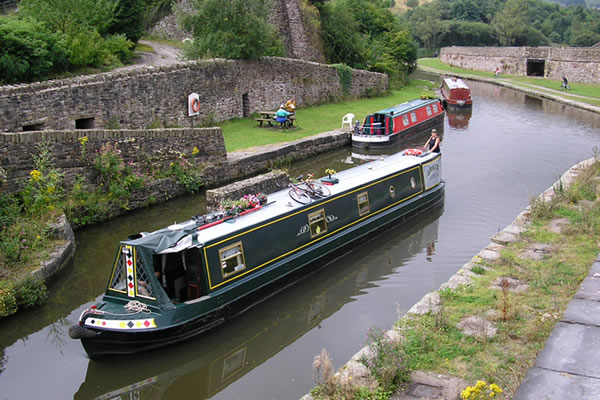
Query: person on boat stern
[{"x": 432, "y": 145}]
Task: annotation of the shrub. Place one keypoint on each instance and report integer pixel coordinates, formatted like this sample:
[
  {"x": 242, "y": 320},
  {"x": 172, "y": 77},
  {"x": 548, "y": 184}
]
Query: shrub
[
  {"x": 30, "y": 292},
  {"x": 28, "y": 52},
  {"x": 8, "y": 302},
  {"x": 43, "y": 190},
  {"x": 385, "y": 361}
]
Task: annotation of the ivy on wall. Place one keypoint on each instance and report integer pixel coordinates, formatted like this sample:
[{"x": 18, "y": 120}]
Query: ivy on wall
[{"x": 345, "y": 76}]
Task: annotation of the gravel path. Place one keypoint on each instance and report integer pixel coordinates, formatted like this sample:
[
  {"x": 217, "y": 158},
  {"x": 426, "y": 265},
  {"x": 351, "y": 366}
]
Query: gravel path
[{"x": 163, "y": 54}]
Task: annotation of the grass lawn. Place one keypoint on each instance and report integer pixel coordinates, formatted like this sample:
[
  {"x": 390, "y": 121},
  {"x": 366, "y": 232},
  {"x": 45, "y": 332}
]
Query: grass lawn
[
  {"x": 244, "y": 133},
  {"x": 577, "y": 89}
]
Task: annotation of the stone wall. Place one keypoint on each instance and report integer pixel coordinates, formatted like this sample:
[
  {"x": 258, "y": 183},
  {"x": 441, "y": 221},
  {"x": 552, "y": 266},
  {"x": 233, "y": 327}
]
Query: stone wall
[
  {"x": 151, "y": 96},
  {"x": 266, "y": 183},
  {"x": 245, "y": 163},
  {"x": 136, "y": 146},
  {"x": 579, "y": 64}
]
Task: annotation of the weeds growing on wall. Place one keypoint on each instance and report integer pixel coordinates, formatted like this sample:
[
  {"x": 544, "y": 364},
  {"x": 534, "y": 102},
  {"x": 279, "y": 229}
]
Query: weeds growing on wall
[
  {"x": 345, "y": 76},
  {"x": 26, "y": 236}
]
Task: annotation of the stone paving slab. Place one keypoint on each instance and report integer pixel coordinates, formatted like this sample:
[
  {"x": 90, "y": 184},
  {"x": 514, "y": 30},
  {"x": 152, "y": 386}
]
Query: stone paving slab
[
  {"x": 543, "y": 384},
  {"x": 584, "y": 312},
  {"x": 572, "y": 348},
  {"x": 589, "y": 289}
]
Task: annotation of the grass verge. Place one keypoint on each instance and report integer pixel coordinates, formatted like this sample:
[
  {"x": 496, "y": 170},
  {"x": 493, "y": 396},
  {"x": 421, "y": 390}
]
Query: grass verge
[
  {"x": 524, "y": 320},
  {"x": 244, "y": 132}
]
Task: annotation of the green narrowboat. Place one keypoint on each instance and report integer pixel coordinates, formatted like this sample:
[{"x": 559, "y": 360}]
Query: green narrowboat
[{"x": 169, "y": 285}]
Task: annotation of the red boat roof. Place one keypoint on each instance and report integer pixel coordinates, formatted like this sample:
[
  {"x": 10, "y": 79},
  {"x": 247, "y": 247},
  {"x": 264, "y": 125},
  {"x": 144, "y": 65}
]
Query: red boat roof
[{"x": 455, "y": 83}]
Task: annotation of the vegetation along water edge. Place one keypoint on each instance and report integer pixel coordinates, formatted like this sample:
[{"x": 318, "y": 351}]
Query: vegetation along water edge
[{"x": 480, "y": 332}]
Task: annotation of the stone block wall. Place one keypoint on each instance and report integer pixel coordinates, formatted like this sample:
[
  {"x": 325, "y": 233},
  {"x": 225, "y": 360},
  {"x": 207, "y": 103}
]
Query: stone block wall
[
  {"x": 242, "y": 164},
  {"x": 266, "y": 183},
  {"x": 579, "y": 64},
  {"x": 137, "y": 146},
  {"x": 136, "y": 99}
]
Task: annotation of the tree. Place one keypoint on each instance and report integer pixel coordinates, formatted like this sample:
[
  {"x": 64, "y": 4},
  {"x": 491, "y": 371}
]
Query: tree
[
  {"x": 128, "y": 19},
  {"x": 235, "y": 29},
  {"x": 511, "y": 23},
  {"x": 341, "y": 35},
  {"x": 28, "y": 52},
  {"x": 69, "y": 16}
]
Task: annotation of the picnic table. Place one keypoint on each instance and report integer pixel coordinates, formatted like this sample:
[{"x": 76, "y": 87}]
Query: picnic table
[{"x": 269, "y": 118}]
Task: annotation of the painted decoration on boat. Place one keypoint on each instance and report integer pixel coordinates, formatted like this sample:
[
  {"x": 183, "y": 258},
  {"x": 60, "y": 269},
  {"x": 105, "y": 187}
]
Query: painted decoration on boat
[{"x": 122, "y": 324}]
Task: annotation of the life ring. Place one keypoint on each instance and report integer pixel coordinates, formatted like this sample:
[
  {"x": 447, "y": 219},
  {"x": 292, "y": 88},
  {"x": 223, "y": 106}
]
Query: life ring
[
  {"x": 412, "y": 152},
  {"x": 195, "y": 105}
]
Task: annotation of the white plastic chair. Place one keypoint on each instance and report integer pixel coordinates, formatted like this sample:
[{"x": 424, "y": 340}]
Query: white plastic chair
[{"x": 347, "y": 119}]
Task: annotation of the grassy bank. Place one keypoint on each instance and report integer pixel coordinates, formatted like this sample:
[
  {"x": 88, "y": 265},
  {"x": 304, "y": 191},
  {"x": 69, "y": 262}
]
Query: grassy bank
[
  {"x": 244, "y": 133},
  {"x": 523, "y": 319},
  {"x": 582, "y": 92}
]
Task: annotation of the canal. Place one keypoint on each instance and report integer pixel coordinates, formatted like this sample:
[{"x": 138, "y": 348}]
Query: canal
[{"x": 509, "y": 148}]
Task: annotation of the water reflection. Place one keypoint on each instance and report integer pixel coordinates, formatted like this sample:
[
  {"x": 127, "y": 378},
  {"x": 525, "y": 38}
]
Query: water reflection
[
  {"x": 458, "y": 118},
  {"x": 215, "y": 360}
]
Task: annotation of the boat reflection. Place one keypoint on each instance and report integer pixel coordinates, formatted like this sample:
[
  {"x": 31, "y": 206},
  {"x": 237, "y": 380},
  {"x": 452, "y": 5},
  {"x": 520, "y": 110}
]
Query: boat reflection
[
  {"x": 458, "y": 118},
  {"x": 203, "y": 367}
]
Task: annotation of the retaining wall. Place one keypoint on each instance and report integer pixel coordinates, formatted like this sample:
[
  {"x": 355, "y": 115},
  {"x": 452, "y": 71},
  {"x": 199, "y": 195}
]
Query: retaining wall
[
  {"x": 266, "y": 183},
  {"x": 151, "y": 96},
  {"x": 137, "y": 146},
  {"x": 579, "y": 64}
]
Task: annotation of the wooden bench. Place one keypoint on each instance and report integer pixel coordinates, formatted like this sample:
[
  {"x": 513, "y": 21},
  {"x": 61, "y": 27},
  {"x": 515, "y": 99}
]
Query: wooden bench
[{"x": 260, "y": 121}]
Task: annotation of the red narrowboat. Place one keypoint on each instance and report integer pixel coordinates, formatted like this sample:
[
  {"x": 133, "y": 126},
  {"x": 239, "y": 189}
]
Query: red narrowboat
[
  {"x": 385, "y": 127},
  {"x": 455, "y": 93}
]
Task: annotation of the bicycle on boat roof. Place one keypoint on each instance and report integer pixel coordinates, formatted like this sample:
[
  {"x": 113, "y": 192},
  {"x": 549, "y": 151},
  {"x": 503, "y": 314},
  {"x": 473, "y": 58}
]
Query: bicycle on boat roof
[{"x": 307, "y": 189}]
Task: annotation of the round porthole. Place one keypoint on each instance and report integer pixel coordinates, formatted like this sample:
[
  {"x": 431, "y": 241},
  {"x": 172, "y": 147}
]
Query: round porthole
[
  {"x": 392, "y": 191},
  {"x": 413, "y": 182}
]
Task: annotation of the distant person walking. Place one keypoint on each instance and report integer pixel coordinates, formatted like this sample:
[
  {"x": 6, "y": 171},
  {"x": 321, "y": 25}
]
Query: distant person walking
[
  {"x": 497, "y": 72},
  {"x": 564, "y": 83}
]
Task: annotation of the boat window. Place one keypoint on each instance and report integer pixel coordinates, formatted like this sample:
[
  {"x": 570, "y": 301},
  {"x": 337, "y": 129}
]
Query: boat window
[
  {"x": 144, "y": 287},
  {"x": 428, "y": 109},
  {"x": 317, "y": 222},
  {"x": 435, "y": 108},
  {"x": 363, "y": 203},
  {"x": 405, "y": 120},
  {"x": 413, "y": 117},
  {"x": 119, "y": 277},
  {"x": 232, "y": 259}
]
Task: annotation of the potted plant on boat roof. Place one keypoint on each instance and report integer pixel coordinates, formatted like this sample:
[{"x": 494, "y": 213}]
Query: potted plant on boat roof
[{"x": 329, "y": 179}]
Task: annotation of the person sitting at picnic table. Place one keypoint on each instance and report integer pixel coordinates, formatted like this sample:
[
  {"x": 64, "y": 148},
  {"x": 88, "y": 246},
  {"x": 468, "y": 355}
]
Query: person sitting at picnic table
[
  {"x": 290, "y": 106},
  {"x": 281, "y": 115}
]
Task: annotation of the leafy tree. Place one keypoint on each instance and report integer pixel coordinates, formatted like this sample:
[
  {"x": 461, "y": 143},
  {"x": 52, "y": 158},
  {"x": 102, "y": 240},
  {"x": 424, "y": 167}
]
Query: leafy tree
[
  {"x": 28, "y": 52},
  {"x": 511, "y": 23},
  {"x": 584, "y": 39},
  {"x": 68, "y": 16},
  {"x": 341, "y": 36},
  {"x": 236, "y": 29},
  {"x": 463, "y": 33},
  {"x": 128, "y": 19}
]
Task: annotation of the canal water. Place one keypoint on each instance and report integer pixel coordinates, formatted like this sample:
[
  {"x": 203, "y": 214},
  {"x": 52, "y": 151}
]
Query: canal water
[{"x": 508, "y": 149}]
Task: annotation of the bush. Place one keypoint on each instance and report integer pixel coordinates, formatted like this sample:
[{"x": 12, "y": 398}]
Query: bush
[
  {"x": 30, "y": 292},
  {"x": 128, "y": 19},
  {"x": 28, "y": 52},
  {"x": 8, "y": 302}
]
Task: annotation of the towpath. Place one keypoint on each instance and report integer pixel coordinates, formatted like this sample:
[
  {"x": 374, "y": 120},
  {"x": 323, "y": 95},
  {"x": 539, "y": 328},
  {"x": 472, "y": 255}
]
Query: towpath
[
  {"x": 567, "y": 367},
  {"x": 163, "y": 54}
]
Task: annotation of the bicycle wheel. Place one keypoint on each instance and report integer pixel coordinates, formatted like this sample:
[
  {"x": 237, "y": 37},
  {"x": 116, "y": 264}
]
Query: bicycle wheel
[
  {"x": 319, "y": 189},
  {"x": 299, "y": 196}
]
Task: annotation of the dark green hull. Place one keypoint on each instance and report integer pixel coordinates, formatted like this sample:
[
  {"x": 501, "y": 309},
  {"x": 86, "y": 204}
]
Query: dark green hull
[{"x": 278, "y": 252}]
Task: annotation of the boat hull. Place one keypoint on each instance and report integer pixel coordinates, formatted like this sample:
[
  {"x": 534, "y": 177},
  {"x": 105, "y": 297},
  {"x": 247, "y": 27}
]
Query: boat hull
[
  {"x": 382, "y": 141},
  {"x": 105, "y": 342}
]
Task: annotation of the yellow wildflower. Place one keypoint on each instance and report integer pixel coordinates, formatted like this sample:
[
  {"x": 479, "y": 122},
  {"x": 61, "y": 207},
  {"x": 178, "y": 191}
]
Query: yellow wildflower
[
  {"x": 35, "y": 175},
  {"x": 195, "y": 151},
  {"x": 83, "y": 140}
]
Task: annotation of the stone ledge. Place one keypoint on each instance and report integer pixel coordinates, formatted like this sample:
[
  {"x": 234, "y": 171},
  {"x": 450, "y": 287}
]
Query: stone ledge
[{"x": 62, "y": 254}]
